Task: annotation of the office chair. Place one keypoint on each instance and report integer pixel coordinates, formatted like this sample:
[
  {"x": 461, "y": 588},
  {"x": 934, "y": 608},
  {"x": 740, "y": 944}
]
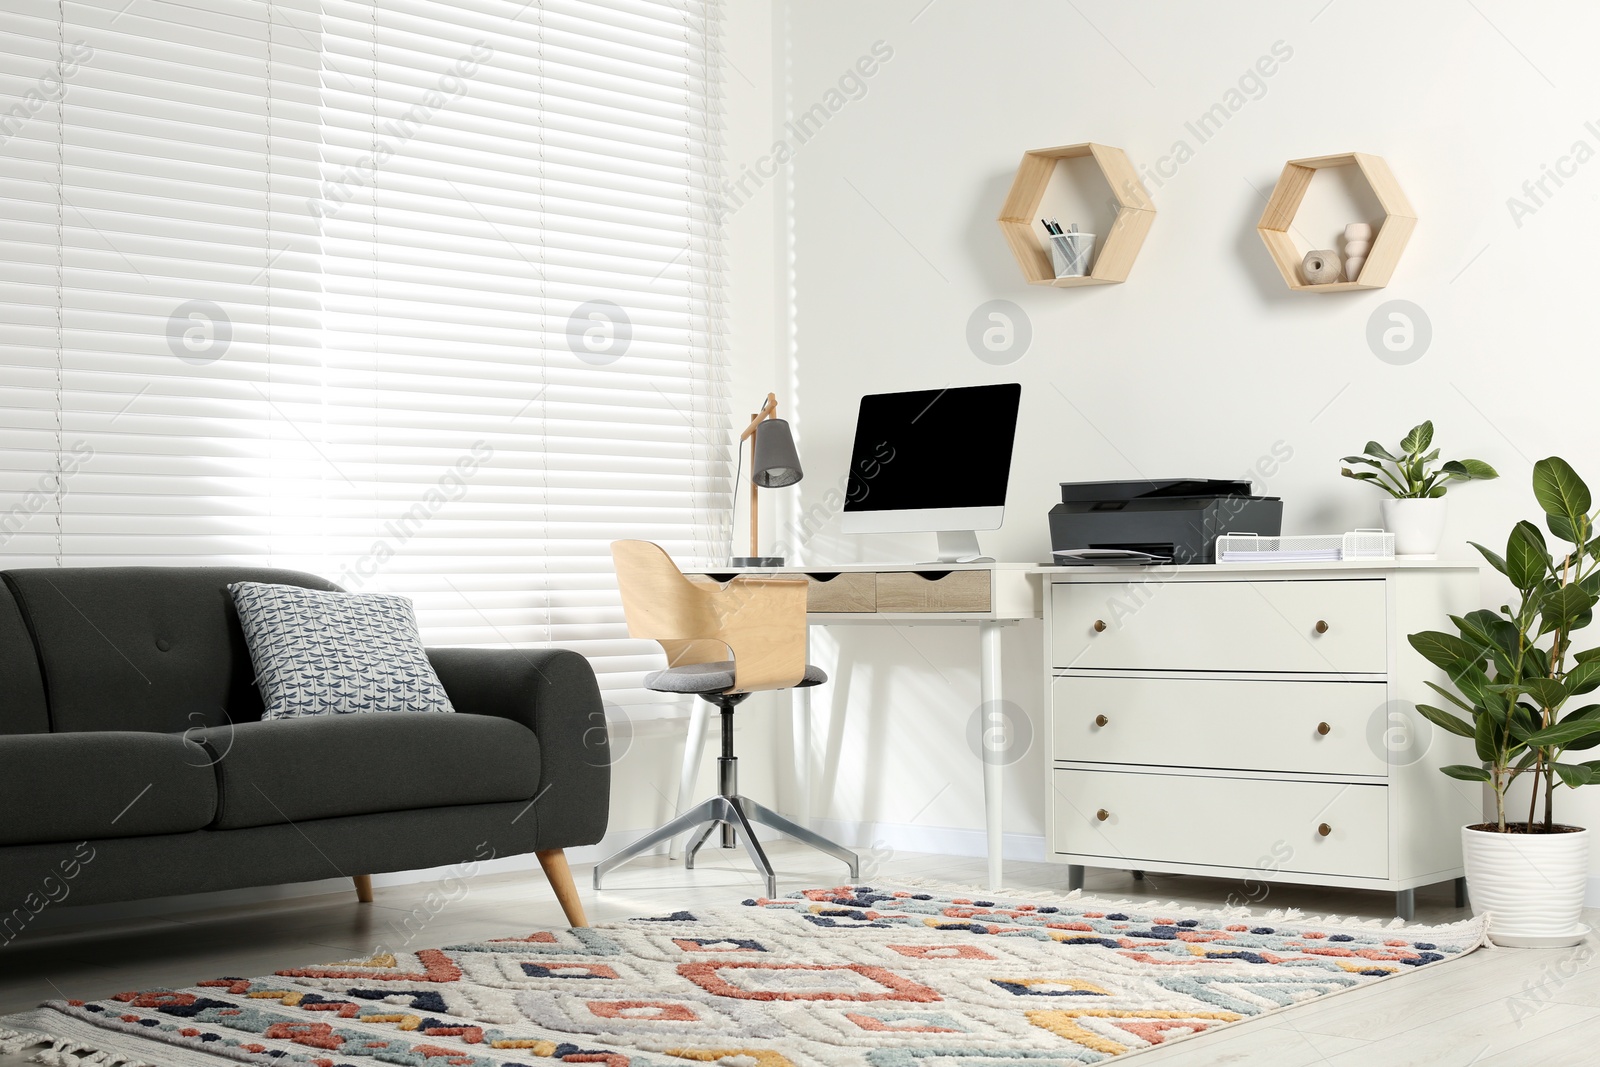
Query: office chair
[{"x": 761, "y": 622}]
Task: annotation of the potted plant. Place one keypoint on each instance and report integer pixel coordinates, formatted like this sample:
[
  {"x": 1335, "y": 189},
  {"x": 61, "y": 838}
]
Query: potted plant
[
  {"x": 1513, "y": 674},
  {"x": 1416, "y": 483}
]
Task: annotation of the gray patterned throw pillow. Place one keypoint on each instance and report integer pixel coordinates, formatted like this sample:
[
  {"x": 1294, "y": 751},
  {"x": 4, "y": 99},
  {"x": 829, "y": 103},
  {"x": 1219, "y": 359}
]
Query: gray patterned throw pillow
[{"x": 318, "y": 653}]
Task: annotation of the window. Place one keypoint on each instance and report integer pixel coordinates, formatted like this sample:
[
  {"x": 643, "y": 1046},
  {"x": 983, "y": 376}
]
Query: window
[{"x": 424, "y": 296}]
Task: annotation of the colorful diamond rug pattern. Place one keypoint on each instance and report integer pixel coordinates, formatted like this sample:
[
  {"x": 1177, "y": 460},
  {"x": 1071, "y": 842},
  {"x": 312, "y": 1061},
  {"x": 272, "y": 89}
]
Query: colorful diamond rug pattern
[{"x": 851, "y": 975}]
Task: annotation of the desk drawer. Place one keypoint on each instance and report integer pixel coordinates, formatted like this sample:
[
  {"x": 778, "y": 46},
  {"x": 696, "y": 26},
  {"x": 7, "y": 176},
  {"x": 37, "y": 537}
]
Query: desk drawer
[
  {"x": 845, "y": 591},
  {"x": 934, "y": 591},
  {"x": 1223, "y": 822},
  {"x": 1336, "y": 626},
  {"x": 1252, "y": 725}
]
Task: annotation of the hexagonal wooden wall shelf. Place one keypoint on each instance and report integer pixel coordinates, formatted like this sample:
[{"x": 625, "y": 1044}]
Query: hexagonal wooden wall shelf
[
  {"x": 1399, "y": 219},
  {"x": 1135, "y": 213}
]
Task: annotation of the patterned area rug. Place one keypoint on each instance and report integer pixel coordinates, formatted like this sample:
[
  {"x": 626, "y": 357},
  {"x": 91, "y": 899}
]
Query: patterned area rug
[{"x": 845, "y": 976}]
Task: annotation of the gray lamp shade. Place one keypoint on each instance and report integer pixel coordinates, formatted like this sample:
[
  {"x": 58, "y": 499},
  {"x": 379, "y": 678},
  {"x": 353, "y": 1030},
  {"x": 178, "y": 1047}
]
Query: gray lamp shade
[{"x": 777, "y": 464}]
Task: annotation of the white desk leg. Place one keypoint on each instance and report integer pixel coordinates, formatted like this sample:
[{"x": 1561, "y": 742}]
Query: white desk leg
[
  {"x": 801, "y": 698},
  {"x": 993, "y": 769},
  {"x": 694, "y": 749}
]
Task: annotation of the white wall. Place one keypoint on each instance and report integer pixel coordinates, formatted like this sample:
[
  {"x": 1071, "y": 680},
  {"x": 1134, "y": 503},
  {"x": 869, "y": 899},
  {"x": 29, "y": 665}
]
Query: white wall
[{"x": 1202, "y": 361}]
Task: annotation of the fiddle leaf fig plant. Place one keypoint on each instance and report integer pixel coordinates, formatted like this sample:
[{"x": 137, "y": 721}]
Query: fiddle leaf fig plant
[
  {"x": 1415, "y": 472},
  {"x": 1514, "y": 672}
]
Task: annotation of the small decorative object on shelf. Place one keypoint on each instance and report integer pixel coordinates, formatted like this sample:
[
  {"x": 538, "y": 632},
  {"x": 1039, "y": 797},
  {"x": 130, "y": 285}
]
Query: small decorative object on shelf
[
  {"x": 1513, "y": 673},
  {"x": 1416, "y": 483},
  {"x": 1357, "y": 243},
  {"x": 1375, "y": 263},
  {"x": 1069, "y": 250},
  {"x": 1035, "y": 249},
  {"x": 1320, "y": 267}
]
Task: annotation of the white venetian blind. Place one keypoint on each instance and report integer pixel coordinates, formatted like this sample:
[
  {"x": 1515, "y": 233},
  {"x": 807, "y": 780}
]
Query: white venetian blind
[{"x": 423, "y": 296}]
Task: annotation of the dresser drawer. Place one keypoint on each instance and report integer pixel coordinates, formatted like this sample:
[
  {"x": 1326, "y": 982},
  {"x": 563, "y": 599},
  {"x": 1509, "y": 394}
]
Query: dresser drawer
[
  {"x": 1250, "y": 725},
  {"x": 1337, "y": 626},
  {"x": 842, "y": 592},
  {"x": 1222, "y": 822},
  {"x": 934, "y": 591}
]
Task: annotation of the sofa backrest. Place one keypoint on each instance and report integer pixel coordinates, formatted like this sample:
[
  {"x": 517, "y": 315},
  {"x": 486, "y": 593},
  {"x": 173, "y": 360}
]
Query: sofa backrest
[
  {"x": 22, "y": 706},
  {"x": 142, "y": 648}
]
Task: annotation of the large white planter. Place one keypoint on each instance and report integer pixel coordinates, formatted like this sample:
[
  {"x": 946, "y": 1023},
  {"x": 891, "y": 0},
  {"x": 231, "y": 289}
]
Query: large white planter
[
  {"x": 1531, "y": 885},
  {"x": 1417, "y": 525}
]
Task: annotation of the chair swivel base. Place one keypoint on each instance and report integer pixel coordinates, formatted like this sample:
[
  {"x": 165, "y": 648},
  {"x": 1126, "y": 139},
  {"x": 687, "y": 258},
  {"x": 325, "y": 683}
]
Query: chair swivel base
[{"x": 734, "y": 814}]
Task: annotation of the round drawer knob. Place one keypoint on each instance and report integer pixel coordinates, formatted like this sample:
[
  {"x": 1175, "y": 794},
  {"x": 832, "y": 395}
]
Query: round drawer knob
[
  {"x": 1099, "y": 626},
  {"x": 1324, "y": 830},
  {"x": 1100, "y": 720},
  {"x": 1322, "y": 626},
  {"x": 1102, "y": 815},
  {"x": 1324, "y": 729}
]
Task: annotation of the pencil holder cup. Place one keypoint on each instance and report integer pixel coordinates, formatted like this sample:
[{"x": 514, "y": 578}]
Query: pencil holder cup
[{"x": 1069, "y": 254}]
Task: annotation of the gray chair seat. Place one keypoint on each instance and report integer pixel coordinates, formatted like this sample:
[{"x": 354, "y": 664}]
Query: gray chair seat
[
  {"x": 328, "y": 766},
  {"x": 101, "y": 784},
  {"x": 712, "y": 677}
]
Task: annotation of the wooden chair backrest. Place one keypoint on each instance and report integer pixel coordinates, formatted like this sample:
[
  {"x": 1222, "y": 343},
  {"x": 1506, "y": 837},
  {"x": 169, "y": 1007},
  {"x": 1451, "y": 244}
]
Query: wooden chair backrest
[{"x": 760, "y": 623}]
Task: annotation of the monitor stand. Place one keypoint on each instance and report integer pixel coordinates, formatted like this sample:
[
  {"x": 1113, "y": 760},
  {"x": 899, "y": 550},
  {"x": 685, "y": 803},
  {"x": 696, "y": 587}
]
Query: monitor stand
[{"x": 961, "y": 546}]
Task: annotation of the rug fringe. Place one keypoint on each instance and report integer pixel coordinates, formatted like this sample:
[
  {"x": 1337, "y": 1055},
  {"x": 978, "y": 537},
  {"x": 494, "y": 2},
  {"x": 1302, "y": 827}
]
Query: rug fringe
[
  {"x": 1478, "y": 925},
  {"x": 63, "y": 1052}
]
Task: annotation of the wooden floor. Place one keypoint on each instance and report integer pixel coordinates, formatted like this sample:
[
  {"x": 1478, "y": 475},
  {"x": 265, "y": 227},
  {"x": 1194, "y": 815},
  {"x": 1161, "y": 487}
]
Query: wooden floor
[{"x": 1500, "y": 1006}]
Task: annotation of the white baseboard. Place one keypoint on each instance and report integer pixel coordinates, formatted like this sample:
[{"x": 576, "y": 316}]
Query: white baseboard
[{"x": 883, "y": 839}]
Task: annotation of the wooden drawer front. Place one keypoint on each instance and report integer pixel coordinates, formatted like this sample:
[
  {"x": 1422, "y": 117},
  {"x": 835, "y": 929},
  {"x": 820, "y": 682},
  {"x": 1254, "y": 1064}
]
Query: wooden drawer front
[
  {"x": 1223, "y": 822},
  {"x": 846, "y": 591},
  {"x": 934, "y": 591},
  {"x": 1221, "y": 626},
  {"x": 1254, "y": 725}
]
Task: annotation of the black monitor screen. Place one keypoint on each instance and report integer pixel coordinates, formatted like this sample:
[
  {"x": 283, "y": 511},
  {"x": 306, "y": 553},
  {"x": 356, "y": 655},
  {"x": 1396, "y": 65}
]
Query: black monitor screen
[{"x": 934, "y": 448}]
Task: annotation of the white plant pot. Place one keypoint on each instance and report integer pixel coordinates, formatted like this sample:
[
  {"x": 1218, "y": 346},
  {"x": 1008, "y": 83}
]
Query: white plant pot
[
  {"x": 1530, "y": 885},
  {"x": 1417, "y": 525}
]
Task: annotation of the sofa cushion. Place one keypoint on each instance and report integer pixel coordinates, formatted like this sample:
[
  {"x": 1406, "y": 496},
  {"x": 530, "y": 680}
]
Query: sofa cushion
[
  {"x": 143, "y": 648},
  {"x": 291, "y": 770},
  {"x": 322, "y": 653},
  {"x": 92, "y": 786}
]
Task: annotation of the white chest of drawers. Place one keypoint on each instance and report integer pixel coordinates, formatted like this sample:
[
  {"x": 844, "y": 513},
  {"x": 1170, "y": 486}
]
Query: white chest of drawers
[{"x": 1254, "y": 723}]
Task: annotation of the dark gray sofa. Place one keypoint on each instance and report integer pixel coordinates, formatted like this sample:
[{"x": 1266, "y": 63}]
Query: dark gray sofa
[{"x": 133, "y": 762}]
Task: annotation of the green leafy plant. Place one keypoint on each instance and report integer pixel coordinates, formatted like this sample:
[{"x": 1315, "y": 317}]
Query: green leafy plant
[
  {"x": 1409, "y": 475},
  {"x": 1514, "y": 671}
]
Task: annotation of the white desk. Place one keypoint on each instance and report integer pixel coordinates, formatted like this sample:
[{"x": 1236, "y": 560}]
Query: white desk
[{"x": 987, "y": 596}]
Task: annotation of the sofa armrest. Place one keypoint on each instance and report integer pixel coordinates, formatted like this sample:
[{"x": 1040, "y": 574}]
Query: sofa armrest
[{"x": 553, "y": 693}]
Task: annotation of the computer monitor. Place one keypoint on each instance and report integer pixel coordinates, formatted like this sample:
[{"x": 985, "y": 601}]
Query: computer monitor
[{"x": 934, "y": 460}]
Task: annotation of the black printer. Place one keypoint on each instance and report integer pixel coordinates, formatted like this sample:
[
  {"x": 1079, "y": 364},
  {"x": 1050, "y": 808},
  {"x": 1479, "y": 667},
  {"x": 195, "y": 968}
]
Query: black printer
[{"x": 1179, "y": 518}]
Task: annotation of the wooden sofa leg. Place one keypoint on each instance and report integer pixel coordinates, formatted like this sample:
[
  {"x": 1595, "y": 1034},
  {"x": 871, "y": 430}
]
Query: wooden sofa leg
[
  {"x": 554, "y": 862},
  {"x": 363, "y": 888}
]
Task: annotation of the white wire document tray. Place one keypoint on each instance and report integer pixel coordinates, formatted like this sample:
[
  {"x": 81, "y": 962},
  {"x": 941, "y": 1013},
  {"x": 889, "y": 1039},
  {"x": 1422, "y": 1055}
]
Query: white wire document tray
[{"x": 1355, "y": 546}]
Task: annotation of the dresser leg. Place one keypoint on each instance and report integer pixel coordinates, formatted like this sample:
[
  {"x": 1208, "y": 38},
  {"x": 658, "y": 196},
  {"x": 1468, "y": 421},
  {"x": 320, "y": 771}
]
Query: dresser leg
[
  {"x": 1405, "y": 904},
  {"x": 1074, "y": 876},
  {"x": 1461, "y": 892},
  {"x": 1138, "y": 876}
]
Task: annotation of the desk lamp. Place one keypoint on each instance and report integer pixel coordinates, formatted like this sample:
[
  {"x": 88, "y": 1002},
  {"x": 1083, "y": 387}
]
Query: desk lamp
[{"x": 774, "y": 463}]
